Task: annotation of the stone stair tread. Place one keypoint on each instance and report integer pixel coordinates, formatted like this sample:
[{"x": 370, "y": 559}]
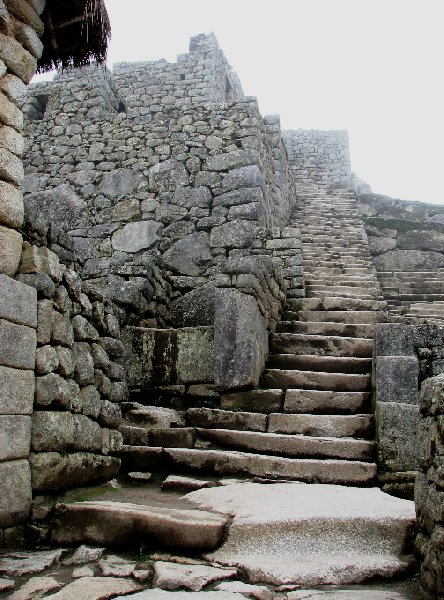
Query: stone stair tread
[
  {"x": 364, "y": 317},
  {"x": 225, "y": 419},
  {"x": 329, "y": 328},
  {"x": 302, "y": 401},
  {"x": 292, "y": 445},
  {"x": 311, "y": 534},
  {"x": 300, "y": 343},
  {"x": 325, "y": 363},
  {"x": 359, "y": 425},
  {"x": 110, "y": 524},
  {"x": 339, "y": 382},
  {"x": 258, "y": 465},
  {"x": 231, "y": 462}
]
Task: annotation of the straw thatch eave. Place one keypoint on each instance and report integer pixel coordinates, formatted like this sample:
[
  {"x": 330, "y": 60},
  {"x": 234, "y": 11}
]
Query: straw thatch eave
[{"x": 76, "y": 33}]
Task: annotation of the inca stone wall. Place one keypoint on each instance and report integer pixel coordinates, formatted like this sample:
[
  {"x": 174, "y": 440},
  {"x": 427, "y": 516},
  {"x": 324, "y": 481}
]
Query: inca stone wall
[
  {"x": 154, "y": 182},
  {"x": 20, "y": 47},
  {"x": 405, "y": 356},
  {"x": 319, "y": 156},
  {"x": 429, "y": 488}
]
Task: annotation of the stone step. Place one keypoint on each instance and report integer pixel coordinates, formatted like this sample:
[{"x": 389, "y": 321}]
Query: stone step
[
  {"x": 343, "y": 292},
  {"x": 225, "y": 419},
  {"x": 349, "y": 280},
  {"x": 324, "y": 328},
  {"x": 298, "y": 343},
  {"x": 111, "y": 524},
  {"x": 312, "y": 535},
  {"x": 340, "y": 316},
  {"x": 326, "y": 402},
  {"x": 327, "y": 364},
  {"x": 291, "y": 445},
  {"x": 227, "y": 462},
  {"x": 336, "y": 426},
  {"x": 330, "y": 303},
  {"x": 312, "y": 380}
]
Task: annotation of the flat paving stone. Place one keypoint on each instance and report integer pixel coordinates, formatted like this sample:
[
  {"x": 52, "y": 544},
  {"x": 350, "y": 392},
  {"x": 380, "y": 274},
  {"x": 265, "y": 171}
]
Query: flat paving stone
[
  {"x": 6, "y": 584},
  {"x": 96, "y": 588},
  {"x": 157, "y": 594},
  {"x": 36, "y": 587},
  {"x": 175, "y": 576},
  {"x": 16, "y": 564},
  {"x": 311, "y": 534}
]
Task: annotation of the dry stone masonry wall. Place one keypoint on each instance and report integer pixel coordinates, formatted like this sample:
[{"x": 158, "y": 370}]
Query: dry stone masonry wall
[
  {"x": 406, "y": 240},
  {"x": 319, "y": 156},
  {"x": 154, "y": 182},
  {"x": 20, "y": 47},
  {"x": 429, "y": 489}
]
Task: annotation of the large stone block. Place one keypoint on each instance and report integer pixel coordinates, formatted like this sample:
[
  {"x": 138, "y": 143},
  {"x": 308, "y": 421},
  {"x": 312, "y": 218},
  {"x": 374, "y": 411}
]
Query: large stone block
[
  {"x": 240, "y": 340},
  {"x": 53, "y": 471},
  {"x": 10, "y": 250},
  {"x": 393, "y": 339},
  {"x": 52, "y": 431},
  {"x": 9, "y": 113},
  {"x": 195, "y": 308},
  {"x": 87, "y": 434},
  {"x": 18, "y": 302},
  {"x": 167, "y": 176},
  {"x": 52, "y": 390},
  {"x": 244, "y": 177},
  {"x": 195, "y": 354},
  {"x": 16, "y": 495},
  {"x": 11, "y": 167},
  {"x": 234, "y": 234},
  {"x": 397, "y": 379},
  {"x": 396, "y": 426},
  {"x": 11, "y": 140},
  {"x": 118, "y": 183},
  {"x": 18, "y": 345},
  {"x": 232, "y": 160},
  {"x": 24, "y": 12},
  {"x": 190, "y": 255},
  {"x": 15, "y": 436},
  {"x": 136, "y": 236},
  {"x": 11, "y": 205},
  {"x": 238, "y": 197},
  {"x": 189, "y": 197},
  {"x": 14, "y": 89},
  {"x": 16, "y": 391},
  {"x": 60, "y": 206},
  {"x": 432, "y": 396}
]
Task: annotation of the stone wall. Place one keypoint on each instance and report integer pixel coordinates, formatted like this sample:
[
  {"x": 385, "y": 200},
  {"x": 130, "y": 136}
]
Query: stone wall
[
  {"x": 403, "y": 235},
  {"x": 429, "y": 488},
  {"x": 406, "y": 240},
  {"x": 147, "y": 184},
  {"x": 319, "y": 156},
  {"x": 20, "y": 47},
  {"x": 404, "y": 357}
]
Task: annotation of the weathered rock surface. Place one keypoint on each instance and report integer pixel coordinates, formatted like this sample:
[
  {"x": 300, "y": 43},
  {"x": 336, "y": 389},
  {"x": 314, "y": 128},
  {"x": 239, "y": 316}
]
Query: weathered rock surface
[
  {"x": 173, "y": 576},
  {"x": 17, "y": 564},
  {"x": 279, "y": 532},
  {"x": 36, "y": 587},
  {"x": 96, "y": 588},
  {"x": 116, "y": 524}
]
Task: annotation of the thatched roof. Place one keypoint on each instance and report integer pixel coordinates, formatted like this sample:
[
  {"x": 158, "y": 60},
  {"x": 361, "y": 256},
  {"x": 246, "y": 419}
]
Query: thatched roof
[{"x": 76, "y": 33}]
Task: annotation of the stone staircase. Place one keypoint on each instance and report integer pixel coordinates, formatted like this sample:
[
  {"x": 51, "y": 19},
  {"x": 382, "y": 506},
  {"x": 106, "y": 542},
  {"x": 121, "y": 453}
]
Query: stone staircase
[
  {"x": 414, "y": 296},
  {"x": 311, "y": 420},
  {"x": 309, "y": 423}
]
